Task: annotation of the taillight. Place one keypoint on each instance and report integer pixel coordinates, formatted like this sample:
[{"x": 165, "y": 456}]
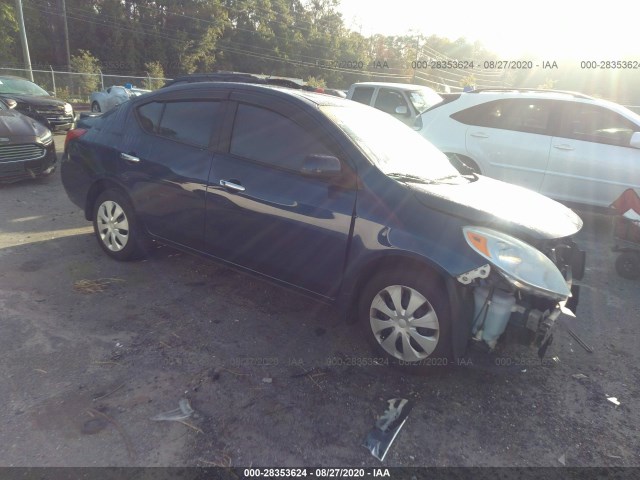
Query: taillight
[{"x": 73, "y": 134}]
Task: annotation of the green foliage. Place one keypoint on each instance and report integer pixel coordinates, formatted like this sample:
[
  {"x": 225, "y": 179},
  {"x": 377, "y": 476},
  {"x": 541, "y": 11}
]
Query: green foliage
[
  {"x": 549, "y": 83},
  {"x": 155, "y": 71},
  {"x": 316, "y": 82},
  {"x": 9, "y": 40},
  {"x": 85, "y": 63}
]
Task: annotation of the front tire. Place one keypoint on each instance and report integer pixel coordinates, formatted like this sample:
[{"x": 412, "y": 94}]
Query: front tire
[
  {"x": 464, "y": 165},
  {"x": 405, "y": 316},
  {"x": 116, "y": 227}
]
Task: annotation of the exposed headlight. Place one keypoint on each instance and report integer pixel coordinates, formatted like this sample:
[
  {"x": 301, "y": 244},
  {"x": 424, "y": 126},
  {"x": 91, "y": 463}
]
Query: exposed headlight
[
  {"x": 68, "y": 109},
  {"x": 520, "y": 264},
  {"x": 45, "y": 135}
]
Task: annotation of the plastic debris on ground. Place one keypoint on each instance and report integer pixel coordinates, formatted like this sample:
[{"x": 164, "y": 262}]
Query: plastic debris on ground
[
  {"x": 579, "y": 376},
  {"x": 614, "y": 400},
  {"x": 183, "y": 412},
  {"x": 387, "y": 427}
]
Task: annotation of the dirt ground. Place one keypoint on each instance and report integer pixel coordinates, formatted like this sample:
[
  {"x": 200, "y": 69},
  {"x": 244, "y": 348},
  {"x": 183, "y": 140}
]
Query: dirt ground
[{"x": 92, "y": 349}]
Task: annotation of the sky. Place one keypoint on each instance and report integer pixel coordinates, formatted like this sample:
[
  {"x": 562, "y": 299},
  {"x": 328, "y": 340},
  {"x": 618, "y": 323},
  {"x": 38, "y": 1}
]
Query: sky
[{"x": 545, "y": 29}]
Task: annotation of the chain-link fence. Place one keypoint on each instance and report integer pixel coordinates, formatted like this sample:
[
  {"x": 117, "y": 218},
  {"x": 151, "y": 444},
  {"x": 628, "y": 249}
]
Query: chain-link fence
[{"x": 77, "y": 87}]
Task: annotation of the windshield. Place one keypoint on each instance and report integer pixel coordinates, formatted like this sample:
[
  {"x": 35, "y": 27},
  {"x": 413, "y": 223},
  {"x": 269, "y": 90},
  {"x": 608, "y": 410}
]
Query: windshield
[
  {"x": 20, "y": 86},
  {"x": 424, "y": 98},
  {"x": 397, "y": 150}
]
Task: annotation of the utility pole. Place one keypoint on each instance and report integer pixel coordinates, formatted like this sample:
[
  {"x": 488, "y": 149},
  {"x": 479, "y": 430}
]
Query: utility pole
[
  {"x": 66, "y": 35},
  {"x": 413, "y": 80},
  {"x": 23, "y": 39}
]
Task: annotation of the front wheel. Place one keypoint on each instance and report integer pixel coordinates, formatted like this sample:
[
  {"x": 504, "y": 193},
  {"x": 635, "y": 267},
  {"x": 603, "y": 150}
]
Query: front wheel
[
  {"x": 405, "y": 316},
  {"x": 116, "y": 226}
]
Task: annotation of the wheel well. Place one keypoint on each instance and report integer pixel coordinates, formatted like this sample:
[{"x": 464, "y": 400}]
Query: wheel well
[
  {"x": 460, "y": 161},
  {"x": 96, "y": 189},
  {"x": 390, "y": 263}
]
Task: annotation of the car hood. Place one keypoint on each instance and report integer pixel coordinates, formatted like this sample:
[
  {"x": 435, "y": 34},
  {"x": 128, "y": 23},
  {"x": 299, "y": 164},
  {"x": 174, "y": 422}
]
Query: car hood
[
  {"x": 14, "y": 124},
  {"x": 500, "y": 205},
  {"x": 35, "y": 99}
]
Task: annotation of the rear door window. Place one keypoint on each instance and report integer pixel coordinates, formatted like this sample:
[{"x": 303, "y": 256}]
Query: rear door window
[{"x": 191, "y": 122}]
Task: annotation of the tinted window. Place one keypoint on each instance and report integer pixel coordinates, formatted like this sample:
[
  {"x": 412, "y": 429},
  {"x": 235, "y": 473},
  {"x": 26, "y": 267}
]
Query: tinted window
[
  {"x": 596, "y": 124},
  {"x": 388, "y": 100},
  {"x": 362, "y": 95},
  {"x": 268, "y": 137},
  {"x": 187, "y": 121},
  {"x": 523, "y": 115},
  {"x": 190, "y": 122},
  {"x": 149, "y": 116}
]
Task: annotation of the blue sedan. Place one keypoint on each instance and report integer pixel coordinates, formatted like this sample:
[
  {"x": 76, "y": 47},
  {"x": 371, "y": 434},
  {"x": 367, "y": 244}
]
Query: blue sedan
[{"x": 336, "y": 200}]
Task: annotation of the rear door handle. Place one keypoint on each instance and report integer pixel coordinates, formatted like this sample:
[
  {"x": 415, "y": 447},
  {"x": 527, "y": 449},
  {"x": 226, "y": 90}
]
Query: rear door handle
[
  {"x": 563, "y": 147},
  {"x": 232, "y": 186},
  {"x": 479, "y": 135},
  {"x": 129, "y": 158}
]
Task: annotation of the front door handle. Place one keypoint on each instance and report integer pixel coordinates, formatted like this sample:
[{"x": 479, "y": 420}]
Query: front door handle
[
  {"x": 236, "y": 187},
  {"x": 129, "y": 158},
  {"x": 479, "y": 135},
  {"x": 563, "y": 147}
]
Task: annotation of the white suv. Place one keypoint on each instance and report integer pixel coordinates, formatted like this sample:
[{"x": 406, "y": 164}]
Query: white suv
[
  {"x": 402, "y": 100},
  {"x": 568, "y": 146}
]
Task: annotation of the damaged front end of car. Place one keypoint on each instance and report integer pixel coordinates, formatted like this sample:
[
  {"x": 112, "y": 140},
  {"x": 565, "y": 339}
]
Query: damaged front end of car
[{"x": 522, "y": 289}]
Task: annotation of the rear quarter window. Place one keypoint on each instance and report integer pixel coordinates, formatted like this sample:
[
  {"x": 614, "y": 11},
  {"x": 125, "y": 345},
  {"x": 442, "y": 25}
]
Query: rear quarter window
[{"x": 363, "y": 95}]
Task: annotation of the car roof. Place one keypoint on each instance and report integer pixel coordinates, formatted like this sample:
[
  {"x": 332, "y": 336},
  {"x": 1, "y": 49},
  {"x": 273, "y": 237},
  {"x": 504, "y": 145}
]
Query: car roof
[
  {"x": 310, "y": 98},
  {"x": 400, "y": 86},
  {"x": 479, "y": 96}
]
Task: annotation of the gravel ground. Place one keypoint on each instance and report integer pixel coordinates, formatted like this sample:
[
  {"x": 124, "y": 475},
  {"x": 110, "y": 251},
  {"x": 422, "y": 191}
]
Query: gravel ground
[{"x": 92, "y": 349}]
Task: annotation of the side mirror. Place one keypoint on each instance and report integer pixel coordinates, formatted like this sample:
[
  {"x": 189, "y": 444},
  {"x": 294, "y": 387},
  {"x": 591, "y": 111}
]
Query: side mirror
[
  {"x": 635, "y": 140},
  {"x": 11, "y": 103},
  {"x": 402, "y": 110},
  {"x": 323, "y": 166}
]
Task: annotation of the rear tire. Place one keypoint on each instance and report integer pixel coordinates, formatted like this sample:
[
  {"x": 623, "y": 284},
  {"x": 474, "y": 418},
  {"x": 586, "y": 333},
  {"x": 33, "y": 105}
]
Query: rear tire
[
  {"x": 116, "y": 227},
  {"x": 405, "y": 316}
]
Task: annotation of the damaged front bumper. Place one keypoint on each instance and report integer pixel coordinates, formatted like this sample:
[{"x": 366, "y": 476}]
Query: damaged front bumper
[{"x": 521, "y": 315}]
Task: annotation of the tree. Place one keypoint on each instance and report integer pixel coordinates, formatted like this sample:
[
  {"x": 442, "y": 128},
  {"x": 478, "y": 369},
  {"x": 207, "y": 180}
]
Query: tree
[
  {"x": 85, "y": 63},
  {"x": 8, "y": 33},
  {"x": 155, "y": 72}
]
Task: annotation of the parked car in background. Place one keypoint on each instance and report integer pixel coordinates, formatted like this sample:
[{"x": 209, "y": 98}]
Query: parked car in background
[
  {"x": 334, "y": 199},
  {"x": 27, "y": 149},
  {"x": 112, "y": 96},
  {"x": 568, "y": 146},
  {"x": 403, "y": 101},
  {"x": 37, "y": 103},
  {"x": 249, "y": 78}
]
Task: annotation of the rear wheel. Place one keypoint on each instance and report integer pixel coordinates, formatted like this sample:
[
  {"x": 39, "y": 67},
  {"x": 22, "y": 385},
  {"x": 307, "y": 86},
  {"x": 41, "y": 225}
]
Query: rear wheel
[
  {"x": 117, "y": 228},
  {"x": 405, "y": 317},
  {"x": 95, "y": 107},
  {"x": 628, "y": 265}
]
